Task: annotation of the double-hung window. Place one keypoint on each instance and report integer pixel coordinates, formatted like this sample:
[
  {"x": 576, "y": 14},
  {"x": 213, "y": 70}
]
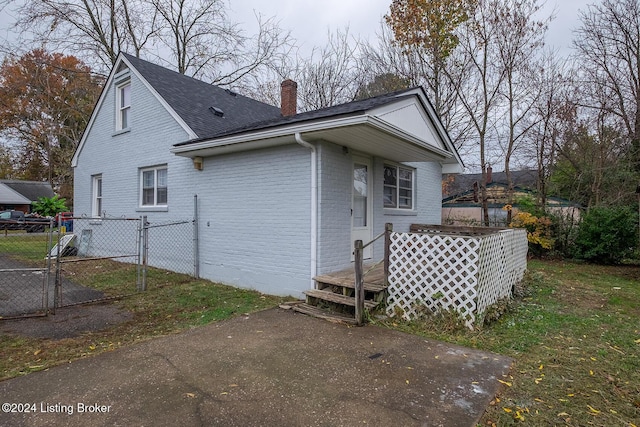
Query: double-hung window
[
  {"x": 123, "y": 105},
  {"x": 96, "y": 204},
  {"x": 398, "y": 187},
  {"x": 153, "y": 191}
]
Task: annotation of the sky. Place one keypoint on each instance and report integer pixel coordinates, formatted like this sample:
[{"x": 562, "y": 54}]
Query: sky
[{"x": 309, "y": 21}]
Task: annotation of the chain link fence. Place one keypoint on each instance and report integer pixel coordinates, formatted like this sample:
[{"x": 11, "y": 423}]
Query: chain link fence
[
  {"x": 25, "y": 269},
  {"x": 90, "y": 260},
  {"x": 168, "y": 246}
]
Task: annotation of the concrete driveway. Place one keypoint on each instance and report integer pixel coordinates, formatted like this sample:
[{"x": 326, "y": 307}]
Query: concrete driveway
[{"x": 272, "y": 368}]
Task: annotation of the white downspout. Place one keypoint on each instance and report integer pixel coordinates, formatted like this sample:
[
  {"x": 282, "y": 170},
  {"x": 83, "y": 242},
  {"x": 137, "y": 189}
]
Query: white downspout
[{"x": 314, "y": 205}]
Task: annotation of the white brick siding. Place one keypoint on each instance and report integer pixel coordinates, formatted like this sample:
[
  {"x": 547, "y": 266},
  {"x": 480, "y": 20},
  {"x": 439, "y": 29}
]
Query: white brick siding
[
  {"x": 334, "y": 206},
  {"x": 255, "y": 219},
  {"x": 336, "y": 181}
]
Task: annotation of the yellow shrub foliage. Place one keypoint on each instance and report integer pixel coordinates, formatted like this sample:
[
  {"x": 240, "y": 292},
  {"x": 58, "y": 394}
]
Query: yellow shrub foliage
[{"x": 538, "y": 228}]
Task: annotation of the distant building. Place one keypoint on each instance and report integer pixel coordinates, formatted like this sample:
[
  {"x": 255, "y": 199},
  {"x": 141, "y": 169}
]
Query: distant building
[
  {"x": 18, "y": 195},
  {"x": 462, "y": 201}
]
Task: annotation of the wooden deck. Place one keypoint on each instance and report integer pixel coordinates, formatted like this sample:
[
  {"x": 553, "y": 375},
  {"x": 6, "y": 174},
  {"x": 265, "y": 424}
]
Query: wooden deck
[{"x": 373, "y": 279}]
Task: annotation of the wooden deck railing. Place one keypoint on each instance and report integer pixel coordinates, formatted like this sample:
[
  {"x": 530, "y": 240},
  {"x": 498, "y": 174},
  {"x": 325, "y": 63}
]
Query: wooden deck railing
[{"x": 359, "y": 268}]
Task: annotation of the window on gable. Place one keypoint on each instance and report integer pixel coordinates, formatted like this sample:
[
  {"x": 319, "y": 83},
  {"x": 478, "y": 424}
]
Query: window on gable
[
  {"x": 96, "y": 203},
  {"x": 123, "y": 105},
  {"x": 153, "y": 190},
  {"x": 398, "y": 187}
]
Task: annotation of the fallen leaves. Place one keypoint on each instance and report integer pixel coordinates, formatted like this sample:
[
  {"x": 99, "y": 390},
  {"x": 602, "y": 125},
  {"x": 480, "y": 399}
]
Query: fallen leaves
[
  {"x": 593, "y": 410},
  {"x": 517, "y": 413}
]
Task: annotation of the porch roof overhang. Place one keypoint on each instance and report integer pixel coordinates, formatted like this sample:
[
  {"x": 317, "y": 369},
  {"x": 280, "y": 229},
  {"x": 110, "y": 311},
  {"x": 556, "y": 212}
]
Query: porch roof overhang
[{"x": 363, "y": 133}]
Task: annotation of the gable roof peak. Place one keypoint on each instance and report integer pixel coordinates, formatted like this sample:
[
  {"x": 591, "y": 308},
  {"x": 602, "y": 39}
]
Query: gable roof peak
[{"x": 191, "y": 99}]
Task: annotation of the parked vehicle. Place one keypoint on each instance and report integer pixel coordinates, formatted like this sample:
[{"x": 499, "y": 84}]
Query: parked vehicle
[{"x": 18, "y": 220}]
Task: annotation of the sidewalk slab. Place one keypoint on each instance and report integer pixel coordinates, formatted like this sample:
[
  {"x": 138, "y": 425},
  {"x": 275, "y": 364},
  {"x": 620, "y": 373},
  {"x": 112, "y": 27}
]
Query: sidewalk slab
[{"x": 273, "y": 367}]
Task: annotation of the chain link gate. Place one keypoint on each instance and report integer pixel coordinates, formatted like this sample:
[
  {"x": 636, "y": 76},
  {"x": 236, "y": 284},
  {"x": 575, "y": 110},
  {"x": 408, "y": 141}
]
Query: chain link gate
[
  {"x": 26, "y": 270},
  {"x": 97, "y": 259}
]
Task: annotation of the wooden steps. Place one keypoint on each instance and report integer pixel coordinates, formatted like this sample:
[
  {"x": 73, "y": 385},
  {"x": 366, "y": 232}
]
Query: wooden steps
[
  {"x": 337, "y": 298},
  {"x": 334, "y": 296}
]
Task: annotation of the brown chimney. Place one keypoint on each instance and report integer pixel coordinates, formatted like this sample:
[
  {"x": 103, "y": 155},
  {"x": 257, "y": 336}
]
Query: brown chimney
[
  {"x": 489, "y": 174},
  {"x": 289, "y": 98}
]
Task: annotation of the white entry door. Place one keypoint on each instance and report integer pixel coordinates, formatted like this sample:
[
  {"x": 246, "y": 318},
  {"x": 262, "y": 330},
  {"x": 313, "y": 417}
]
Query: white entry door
[{"x": 361, "y": 203}]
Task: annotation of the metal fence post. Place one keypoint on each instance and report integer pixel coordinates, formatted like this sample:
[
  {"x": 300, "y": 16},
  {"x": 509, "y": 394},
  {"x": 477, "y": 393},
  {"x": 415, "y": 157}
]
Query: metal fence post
[
  {"x": 359, "y": 285},
  {"x": 145, "y": 252},
  {"x": 47, "y": 272},
  {"x": 196, "y": 239},
  {"x": 57, "y": 289},
  {"x": 139, "y": 254}
]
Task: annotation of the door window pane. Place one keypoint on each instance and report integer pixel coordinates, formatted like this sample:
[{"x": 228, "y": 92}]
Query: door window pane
[{"x": 360, "y": 176}]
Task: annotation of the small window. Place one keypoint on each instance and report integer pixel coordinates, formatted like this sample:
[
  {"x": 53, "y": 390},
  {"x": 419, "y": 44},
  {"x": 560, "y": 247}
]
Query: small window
[
  {"x": 96, "y": 205},
  {"x": 123, "y": 102},
  {"x": 153, "y": 186},
  {"x": 398, "y": 187}
]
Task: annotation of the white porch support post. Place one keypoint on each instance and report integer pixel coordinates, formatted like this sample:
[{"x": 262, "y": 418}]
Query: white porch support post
[{"x": 314, "y": 205}]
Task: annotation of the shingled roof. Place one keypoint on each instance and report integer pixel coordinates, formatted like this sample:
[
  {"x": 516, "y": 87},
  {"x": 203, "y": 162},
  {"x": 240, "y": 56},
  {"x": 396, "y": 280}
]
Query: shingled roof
[
  {"x": 31, "y": 190},
  {"x": 207, "y": 109},
  {"x": 201, "y": 104},
  {"x": 341, "y": 110}
]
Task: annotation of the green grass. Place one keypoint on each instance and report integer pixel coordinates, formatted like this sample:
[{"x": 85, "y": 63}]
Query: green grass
[
  {"x": 25, "y": 247},
  {"x": 575, "y": 341}
]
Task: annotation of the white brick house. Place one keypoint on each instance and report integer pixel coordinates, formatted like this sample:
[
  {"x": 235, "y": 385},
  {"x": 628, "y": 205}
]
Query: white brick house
[{"x": 281, "y": 195}]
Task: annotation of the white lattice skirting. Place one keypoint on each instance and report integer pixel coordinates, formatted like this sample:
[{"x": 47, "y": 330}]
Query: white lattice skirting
[{"x": 463, "y": 273}]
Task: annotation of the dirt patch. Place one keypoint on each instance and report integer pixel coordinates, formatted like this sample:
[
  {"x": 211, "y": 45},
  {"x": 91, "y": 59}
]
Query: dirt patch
[
  {"x": 628, "y": 272},
  {"x": 68, "y": 322},
  {"x": 580, "y": 296}
]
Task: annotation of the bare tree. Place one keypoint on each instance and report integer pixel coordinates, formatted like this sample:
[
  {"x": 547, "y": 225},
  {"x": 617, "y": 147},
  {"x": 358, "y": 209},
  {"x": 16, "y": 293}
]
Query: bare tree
[
  {"x": 195, "y": 37},
  {"x": 264, "y": 52},
  {"x": 95, "y": 30},
  {"x": 519, "y": 41},
  {"x": 330, "y": 76},
  {"x": 555, "y": 96},
  {"x": 608, "y": 46},
  {"x": 197, "y": 33},
  {"x": 479, "y": 94}
]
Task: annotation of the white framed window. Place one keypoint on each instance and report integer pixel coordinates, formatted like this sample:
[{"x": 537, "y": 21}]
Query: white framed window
[
  {"x": 96, "y": 203},
  {"x": 123, "y": 105},
  {"x": 398, "y": 187},
  {"x": 153, "y": 186}
]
